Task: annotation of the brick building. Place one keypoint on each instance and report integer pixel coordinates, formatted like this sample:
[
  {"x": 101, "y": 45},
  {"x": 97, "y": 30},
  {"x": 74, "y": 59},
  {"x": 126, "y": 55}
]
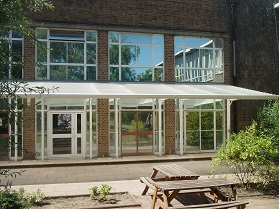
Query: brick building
[{"x": 133, "y": 78}]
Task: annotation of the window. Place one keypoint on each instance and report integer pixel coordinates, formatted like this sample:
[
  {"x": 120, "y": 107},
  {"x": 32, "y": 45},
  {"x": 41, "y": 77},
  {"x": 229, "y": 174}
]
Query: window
[
  {"x": 198, "y": 59},
  {"x": 136, "y": 57},
  {"x": 66, "y": 55},
  {"x": 11, "y": 61}
]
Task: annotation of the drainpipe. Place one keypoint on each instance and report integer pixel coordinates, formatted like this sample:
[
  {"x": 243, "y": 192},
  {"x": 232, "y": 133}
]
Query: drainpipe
[{"x": 233, "y": 40}]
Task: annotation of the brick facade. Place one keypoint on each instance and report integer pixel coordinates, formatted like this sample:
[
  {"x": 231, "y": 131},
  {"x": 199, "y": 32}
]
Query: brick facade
[
  {"x": 103, "y": 56},
  {"x": 29, "y": 128},
  {"x": 170, "y": 126},
  {"x": 103, "y": 127},
  {"x": 207, "y": 18}
]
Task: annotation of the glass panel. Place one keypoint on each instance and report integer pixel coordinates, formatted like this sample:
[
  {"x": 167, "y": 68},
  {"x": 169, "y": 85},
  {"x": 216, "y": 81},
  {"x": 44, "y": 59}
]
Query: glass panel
[
  {"x": 192, "y": 141},
  {"x": 41, "y": 51},
  {"x": 16, "y": 51},
  {"x": 61, "y": 123},
  {"x": 129, "y": 144},
  {"x": 158, "y": 74},
  {"x": 197, "y": 42},
  {"x": 16, "y": 35},
  {"x": 114, "y": 37},
  {"x": 145, "y": 121},
  {"x": 16, "y": 71},
  {"x": 145, "y": 143},
  {"x": 91, "y": 73},
  {"x": 41, "y": 72},
  {"x": 75, "y": 73},
  {"x": 58, "y": 72},
  {"x": 79, "y": 145},
  {"x": 129, "y": 54},
  {"x": 62, "y": 146},
  {"x": 41, "y": 34},
  {"x": 207, "y": 140},
  {"x": 207, "y": 121},
  {"x": 128, "y": 74},
  {"x": 114, "y": 55},
  {"x": 158, "y": 55},
  {"x": 114, "y": 73},
  {"x": 91, "y": 53},
  {"x": 78, "y": 123},
  {"x": 136, "y": 38},
  {"x": 219, "y": 120},
  {"x": 58, "y": 52},
  {"x": 66, "y": 35},
  {"x": 192, "y": 122},
  {"x": 128, "y": 122},
  {"x": 4, "y": 124},
  {"x": 158, "y": 39},
  {"x": 75, "y": 52},
  {"x": 219, "y": 139},
  {"x": 144, "y": 54},
  {"x": 91, "y": 36}
]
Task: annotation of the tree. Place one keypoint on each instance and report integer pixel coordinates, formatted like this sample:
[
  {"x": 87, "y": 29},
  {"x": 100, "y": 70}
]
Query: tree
[
  {"x": 14, "y": 18},
  {"x": 268, "y": 122}
]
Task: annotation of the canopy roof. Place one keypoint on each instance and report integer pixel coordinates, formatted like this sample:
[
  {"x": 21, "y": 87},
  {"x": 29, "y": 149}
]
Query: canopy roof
[{"x": 146, "y": 90}]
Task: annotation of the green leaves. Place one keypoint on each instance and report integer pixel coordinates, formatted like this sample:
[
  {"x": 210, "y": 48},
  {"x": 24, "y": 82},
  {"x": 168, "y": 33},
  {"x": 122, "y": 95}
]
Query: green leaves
[{"x": 245, "y": 152}]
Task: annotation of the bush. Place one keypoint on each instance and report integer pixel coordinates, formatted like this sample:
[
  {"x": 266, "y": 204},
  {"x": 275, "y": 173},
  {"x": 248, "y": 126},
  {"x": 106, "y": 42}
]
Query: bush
[
  {"x": 244, "y": 153},
  {"x": 9, "y": 199},
  {"x": 269, "y": 178},
  {"x": 268, "y": 122}
]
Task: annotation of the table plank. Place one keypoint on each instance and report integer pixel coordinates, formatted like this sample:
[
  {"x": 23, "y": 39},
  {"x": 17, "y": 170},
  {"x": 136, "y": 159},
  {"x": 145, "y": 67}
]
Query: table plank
[
  {"x": 192, "y": 184},
  {"x": 175, "y": 171}
]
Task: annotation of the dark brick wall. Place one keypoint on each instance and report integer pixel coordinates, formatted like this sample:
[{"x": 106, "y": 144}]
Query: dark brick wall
[
  {"x": 256, "y": 54},
  {"x": 192, "y": 15}
]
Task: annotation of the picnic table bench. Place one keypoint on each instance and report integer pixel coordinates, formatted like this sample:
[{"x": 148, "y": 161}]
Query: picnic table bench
[
  {"x": 170, "y": 189},
  {"x": 171, "y": 172}
]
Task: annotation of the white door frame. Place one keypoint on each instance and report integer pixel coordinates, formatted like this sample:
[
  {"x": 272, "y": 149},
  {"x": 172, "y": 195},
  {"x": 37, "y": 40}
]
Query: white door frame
[{"x": 73, "y": 135}]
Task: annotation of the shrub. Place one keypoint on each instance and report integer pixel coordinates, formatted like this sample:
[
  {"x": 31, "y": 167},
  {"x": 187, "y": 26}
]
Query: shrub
[
  {"x": 244, "y": 153},
  {"x": 268, "y": 122},
  {"x": 35, "y": 197},
  {"x": 9, "y": 199},
  {"x": 269, "y": 178}
]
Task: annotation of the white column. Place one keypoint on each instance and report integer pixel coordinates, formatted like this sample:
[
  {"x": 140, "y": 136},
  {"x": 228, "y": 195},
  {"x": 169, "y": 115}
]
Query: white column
[
  {"x": 116, "y": 127},
  {"x": 180, "y": 126},
  {"x": 16, "y": 130},
  {"x": 42, "y": 129},
  {"x": 229, "y": 102},
  {"x": 160, "y": 126},
  {"x": 90, "y": 129}
]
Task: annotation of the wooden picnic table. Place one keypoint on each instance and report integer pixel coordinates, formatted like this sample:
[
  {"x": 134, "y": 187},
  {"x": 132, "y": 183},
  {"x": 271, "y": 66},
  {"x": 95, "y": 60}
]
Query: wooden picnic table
[
  {"x": 170, "y": 189},
  {"x": 171, "y": 172}
]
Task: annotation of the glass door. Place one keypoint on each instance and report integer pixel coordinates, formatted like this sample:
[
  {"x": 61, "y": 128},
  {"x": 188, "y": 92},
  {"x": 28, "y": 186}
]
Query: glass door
[
  {"x": 137, "y": 132},
  {"x": 66, "y": 134}
]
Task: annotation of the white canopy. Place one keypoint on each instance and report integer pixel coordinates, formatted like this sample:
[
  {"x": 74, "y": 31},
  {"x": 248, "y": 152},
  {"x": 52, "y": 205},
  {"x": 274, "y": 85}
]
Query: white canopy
[{"x": 107, "y": 90}]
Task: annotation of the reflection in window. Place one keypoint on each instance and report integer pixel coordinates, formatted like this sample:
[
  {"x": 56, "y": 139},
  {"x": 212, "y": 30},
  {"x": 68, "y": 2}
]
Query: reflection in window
[
  {"x": 72, "y": 55},
  {"x": 136, "y": 57},
  {"x": 12, "y": 47},
  {"x": 198, "y": 59}
]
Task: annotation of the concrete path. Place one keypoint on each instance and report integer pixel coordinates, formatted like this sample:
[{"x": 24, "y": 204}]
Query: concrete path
[{"x": 58, "y": 178}]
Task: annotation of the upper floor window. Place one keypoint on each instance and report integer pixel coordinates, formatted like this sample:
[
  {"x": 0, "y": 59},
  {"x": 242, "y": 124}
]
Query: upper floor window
[
  {"x": 66, "y": 55},
  {"x": 11, "y": 59},
  {"x": 198, "y": 59},
  {"x": 136, "y": 57}
]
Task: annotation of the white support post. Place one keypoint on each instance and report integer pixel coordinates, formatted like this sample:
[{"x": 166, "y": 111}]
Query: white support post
[
  {"x": 90, "y": 129},
  {"x": 229, "y": 102},
  {"x": 116, "y": 127},
  {"x": 180, "y": 126},
  {"x": 42, "y": 129},
  {"x": 160, "y": 127},
  {"x": 16, "y": 130}
]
